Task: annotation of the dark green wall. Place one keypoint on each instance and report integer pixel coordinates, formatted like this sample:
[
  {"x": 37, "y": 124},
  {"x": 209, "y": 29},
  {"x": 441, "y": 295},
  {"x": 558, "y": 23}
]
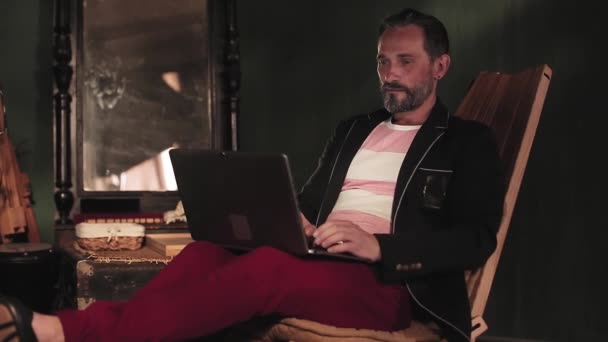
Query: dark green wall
[
  {"x": 308, "y": 64},
  {"x": 25, "y": 73}
]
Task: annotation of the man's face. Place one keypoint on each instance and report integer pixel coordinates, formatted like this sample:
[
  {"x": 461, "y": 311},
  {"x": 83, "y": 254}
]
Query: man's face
[{"x": 404, "y": 68}]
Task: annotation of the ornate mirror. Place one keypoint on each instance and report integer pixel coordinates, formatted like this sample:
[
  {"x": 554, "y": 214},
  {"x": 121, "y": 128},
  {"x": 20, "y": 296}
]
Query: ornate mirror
[{"x": 147, "y": 77}]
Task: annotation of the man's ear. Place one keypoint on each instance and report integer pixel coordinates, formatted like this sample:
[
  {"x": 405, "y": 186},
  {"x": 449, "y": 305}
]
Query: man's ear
[{"x": 441, "y": 66}]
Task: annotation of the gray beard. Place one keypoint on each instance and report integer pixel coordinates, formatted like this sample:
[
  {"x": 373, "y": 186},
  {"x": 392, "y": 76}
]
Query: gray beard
[
  {"x": 414, "y": 99},
  {"x": 393, "y": 105}
]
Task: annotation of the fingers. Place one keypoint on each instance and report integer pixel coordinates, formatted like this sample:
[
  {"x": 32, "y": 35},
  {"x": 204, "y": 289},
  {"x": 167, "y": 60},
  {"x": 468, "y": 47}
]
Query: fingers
[
  {"x": 347, "y": 237},
  {"x": 322, "y": 233},
  {"x": 333, "y": 233},
  {"x": 341, "y": 247},
  {"x": 309, "y": 230},
  {"x": 361, "y": 246},
  {"x": 332, "y": 240}
]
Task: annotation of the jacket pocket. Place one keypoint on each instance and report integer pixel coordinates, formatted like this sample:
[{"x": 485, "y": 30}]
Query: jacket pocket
[{"x": 434, "y": 187}]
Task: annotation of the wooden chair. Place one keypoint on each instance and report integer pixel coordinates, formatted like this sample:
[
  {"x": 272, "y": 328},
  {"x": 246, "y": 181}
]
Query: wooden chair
[{"x": 509, "y": 103}]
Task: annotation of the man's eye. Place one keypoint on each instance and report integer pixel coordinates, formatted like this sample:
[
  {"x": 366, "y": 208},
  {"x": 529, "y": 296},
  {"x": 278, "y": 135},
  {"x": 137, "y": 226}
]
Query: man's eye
[{"x": 382, "y": 62}]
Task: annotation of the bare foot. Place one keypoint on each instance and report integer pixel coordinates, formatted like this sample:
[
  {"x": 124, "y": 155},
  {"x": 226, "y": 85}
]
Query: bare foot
[{"x": 47, "y": 328}]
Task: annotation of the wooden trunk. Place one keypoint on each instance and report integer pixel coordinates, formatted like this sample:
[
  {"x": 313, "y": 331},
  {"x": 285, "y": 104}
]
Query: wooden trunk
[{"x": 89, "y": 277}]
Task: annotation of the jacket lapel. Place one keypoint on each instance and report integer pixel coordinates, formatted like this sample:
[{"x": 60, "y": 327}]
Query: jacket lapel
[{"x": 431, "y": 130}]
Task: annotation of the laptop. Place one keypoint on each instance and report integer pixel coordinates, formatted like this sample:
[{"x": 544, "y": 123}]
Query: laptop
[{"x": 242, "y": 200}]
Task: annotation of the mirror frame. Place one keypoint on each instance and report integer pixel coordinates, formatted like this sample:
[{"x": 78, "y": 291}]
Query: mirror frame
[{"x": 223, "y": 93}]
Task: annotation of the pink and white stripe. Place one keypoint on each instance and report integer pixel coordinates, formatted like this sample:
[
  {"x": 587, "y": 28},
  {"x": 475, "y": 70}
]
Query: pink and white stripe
[{"x": 367, "y": 194}]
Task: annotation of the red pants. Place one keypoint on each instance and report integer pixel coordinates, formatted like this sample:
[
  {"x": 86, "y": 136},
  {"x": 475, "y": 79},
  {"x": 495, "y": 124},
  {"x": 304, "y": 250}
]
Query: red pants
[{"x": 206, "y": 288}]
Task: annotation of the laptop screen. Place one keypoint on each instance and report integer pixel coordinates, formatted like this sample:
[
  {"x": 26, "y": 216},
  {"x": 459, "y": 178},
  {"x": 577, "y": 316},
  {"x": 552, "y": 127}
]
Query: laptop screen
[{"x": 239, "y": 200}]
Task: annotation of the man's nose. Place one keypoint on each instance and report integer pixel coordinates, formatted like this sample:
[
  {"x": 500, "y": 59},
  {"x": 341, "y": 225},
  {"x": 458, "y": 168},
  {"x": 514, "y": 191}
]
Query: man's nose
[{"x": 390, "y": 74}]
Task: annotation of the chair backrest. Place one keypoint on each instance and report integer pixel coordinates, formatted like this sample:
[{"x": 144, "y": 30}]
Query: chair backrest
[{"x": 511, "y": 105}]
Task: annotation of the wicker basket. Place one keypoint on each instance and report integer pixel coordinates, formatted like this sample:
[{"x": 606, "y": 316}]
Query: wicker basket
[{"x": 110, "y": 236}]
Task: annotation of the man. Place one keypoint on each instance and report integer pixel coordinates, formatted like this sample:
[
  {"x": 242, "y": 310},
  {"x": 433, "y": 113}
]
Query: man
[{"x": 416, "y": 192}]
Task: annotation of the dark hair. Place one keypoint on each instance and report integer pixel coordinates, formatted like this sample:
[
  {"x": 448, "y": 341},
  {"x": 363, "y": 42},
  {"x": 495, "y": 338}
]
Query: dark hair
[{"x": 436, "y": 42}]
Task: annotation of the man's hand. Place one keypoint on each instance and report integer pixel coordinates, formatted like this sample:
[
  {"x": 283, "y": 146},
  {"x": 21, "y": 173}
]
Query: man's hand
[
  {"x": 309, "y": 228},
  {"x": 344, "y": 236}
]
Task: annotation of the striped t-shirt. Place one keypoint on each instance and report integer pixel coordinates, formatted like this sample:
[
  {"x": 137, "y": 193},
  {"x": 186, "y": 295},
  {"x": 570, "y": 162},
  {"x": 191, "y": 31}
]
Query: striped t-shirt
[{"x": 367, "y": 194}]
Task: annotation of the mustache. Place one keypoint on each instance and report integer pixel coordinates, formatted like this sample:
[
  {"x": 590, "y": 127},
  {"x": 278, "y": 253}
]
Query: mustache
[{"x": 395, "y": 86}]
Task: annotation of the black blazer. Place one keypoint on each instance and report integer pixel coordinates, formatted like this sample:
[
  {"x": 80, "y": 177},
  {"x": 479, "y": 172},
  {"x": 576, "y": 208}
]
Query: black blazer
[{"x": 446, "y": 209}]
